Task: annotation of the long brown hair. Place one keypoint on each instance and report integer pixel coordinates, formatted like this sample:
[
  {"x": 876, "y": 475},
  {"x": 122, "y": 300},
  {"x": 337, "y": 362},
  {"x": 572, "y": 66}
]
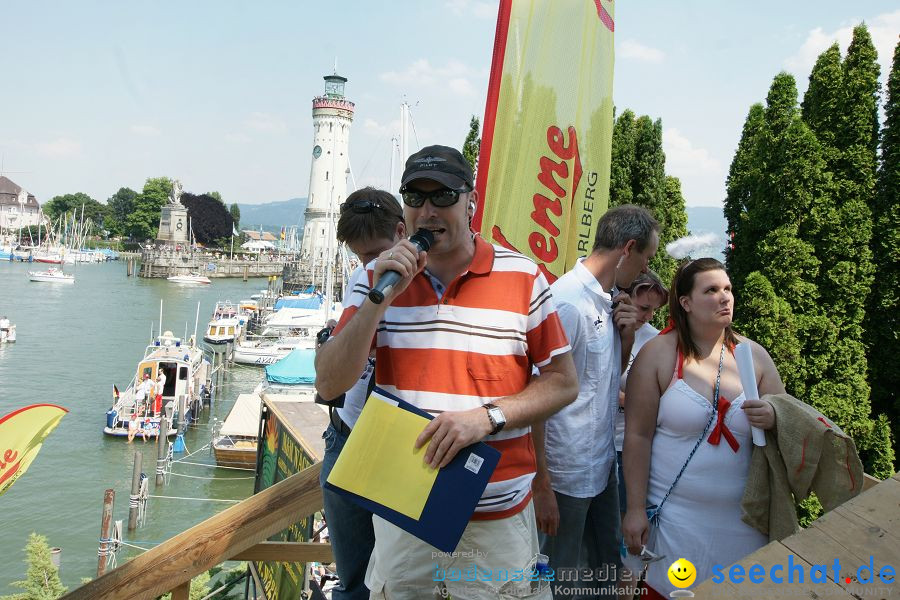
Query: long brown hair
[{"x": 683, "y": 285}]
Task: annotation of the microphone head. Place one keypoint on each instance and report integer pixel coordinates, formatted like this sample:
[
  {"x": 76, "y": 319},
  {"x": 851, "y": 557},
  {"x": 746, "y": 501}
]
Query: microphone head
[{"x": 423, "y": 238}]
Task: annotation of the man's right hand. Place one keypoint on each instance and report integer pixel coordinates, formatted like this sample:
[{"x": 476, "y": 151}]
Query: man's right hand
[
  {"x": 403, "y": 258},
  {"x": 546, "y": 510}
]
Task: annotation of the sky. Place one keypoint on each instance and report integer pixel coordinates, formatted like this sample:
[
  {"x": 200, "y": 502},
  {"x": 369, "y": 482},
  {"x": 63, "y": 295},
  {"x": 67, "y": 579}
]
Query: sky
[{"x": 102, "y": 95}]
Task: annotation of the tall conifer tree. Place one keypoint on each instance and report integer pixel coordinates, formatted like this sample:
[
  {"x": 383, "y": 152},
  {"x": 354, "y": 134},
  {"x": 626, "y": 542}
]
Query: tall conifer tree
[
  {"x": 622, "y": 161},
  {"x": 743, "y": 178},
  {"x": 883, "y": 315}
]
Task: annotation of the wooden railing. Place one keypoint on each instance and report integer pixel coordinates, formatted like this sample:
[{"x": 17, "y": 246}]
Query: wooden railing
[{"x": 237, "y": 533}]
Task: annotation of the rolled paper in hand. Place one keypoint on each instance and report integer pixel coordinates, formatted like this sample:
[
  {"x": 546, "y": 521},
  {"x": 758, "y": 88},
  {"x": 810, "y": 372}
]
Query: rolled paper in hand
[{"x": 744, "y": 357}]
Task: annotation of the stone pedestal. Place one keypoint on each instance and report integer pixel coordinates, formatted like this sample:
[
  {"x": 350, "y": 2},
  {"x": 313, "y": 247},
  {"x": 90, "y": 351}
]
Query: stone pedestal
[{"x": 173, "y": 225}]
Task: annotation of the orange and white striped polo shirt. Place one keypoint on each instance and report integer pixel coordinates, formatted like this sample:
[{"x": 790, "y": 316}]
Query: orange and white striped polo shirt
[{"x": 474, "y": 345}]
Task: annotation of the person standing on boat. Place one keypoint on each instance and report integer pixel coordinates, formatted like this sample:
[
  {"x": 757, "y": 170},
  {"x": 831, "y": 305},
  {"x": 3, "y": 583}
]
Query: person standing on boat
[
  {"x": 370, "y": 222},
  {"x": 158, "y": 393},
  {"x": 4, "y": 324},
  {"x": 142, "y": 394}
]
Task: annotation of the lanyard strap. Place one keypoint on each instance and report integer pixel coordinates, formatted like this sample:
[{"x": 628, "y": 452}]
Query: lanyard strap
[{"x": 653, "y": 511}]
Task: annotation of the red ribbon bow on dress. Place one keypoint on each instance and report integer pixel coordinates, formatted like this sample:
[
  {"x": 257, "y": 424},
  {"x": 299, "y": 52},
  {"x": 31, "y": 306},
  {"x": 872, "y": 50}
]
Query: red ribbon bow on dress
[{"x": 721, "y": 428}]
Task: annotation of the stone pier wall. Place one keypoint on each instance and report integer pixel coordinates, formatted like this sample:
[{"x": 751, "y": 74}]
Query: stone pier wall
[{"x": 166, "y": 263}]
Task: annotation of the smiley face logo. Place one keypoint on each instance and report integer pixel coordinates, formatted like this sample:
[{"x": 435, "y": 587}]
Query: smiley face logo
[{"x": 682, "y": 573}]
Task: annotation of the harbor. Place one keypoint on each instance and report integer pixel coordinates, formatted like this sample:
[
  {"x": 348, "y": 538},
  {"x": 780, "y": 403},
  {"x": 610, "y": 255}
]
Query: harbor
[{"x": 74, "y": 343}]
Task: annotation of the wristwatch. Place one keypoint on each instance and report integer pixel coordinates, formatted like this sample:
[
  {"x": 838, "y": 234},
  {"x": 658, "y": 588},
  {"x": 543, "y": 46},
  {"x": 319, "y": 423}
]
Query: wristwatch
[{"x": 496, "y": 417}]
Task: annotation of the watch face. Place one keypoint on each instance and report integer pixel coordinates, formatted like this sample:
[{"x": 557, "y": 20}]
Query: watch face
[{"x": 317, "y": 151}]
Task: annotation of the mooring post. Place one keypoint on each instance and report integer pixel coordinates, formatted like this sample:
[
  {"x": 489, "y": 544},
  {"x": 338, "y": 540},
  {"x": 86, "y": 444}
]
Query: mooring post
[
  {"x": 162, "y": 446},
  {"x": 109, "y": 498},
  {"x": 133, "y": 500}
]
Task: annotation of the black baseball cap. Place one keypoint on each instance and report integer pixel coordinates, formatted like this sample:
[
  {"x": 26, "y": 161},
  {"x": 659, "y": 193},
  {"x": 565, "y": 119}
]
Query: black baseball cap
[{"x": 442, "y": 164}]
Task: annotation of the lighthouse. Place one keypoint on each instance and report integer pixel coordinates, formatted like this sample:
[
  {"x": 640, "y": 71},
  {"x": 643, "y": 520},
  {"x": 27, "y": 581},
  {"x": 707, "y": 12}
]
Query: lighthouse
[{"x": 332, "y": 115}]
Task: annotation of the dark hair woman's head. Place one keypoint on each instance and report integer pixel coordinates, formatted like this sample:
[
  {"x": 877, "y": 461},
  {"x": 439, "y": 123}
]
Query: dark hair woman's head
[{"x": 683, "y": 286}]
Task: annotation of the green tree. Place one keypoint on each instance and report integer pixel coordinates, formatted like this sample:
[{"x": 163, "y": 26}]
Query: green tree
[
  {"x": 143, "y": 222},
  {"x": 472, "y": 145},
  {"x": 216, "y": 195},
  {"x": 42, "y": 577},
  {"x": 118, "y": 207},
  {"x": 235, "y": 211},
  {"x": 622, "y": 160},
  {"x": 69, "y": 204},
  {"x": 648, "y": 175},
  {"x": 788, "y": 264},
  {"x": 882, "y": 326},
  {"x": 823, "y": 103},
  {"x": 743, "y": 178},
  {"x": 672, "y": 218}
]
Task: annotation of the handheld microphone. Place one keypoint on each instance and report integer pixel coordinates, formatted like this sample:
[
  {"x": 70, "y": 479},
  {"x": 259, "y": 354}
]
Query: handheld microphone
[{"x": 422, "y": 239}]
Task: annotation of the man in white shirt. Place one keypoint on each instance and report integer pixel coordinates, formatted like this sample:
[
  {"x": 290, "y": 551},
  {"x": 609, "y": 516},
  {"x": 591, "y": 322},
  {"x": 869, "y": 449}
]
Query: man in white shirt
[
  {"x": 158, "y": 390},
  {"x": 575, "y": 491},
  {"x": 370, "y": 222}
]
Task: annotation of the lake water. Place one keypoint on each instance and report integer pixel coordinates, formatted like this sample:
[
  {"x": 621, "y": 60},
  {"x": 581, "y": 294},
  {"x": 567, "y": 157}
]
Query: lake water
[{"x": 74, "y": 343}]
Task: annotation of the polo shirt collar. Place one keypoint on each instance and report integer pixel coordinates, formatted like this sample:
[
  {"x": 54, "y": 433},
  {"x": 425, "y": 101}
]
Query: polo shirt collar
[
  {"x": 589, "y": 281},
  {"x": 483, "y": 260}
]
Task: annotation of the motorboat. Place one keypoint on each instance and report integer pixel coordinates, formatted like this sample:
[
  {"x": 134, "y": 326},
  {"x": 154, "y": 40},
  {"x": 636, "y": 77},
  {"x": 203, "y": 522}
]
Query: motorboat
[
  {"x": 7, "y": 332},
  {"x": 190, "y": 279},
  {"x": 268, "y": 351},
  {"x": 235, "y": 445},
  {"x": 227, "y": 324},
  {"x": 293, "y": 376},
  {"x": 51, "y": 275},
  {"x": 186, "y": 384}
]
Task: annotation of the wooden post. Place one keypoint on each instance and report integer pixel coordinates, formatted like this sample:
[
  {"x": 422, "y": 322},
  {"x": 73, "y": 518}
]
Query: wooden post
[
  {"x": 109, "y": 498},
  {"x": 245, "y": 272},
  {"x": 162, "y": 446},
  {"x": 135, "y": 491},
  {"x": 182, "y": 592}
]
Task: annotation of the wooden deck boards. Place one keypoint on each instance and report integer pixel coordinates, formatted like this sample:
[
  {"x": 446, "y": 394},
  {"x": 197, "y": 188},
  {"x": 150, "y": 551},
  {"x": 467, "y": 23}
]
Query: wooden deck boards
[{"x": 866, "y": 526}]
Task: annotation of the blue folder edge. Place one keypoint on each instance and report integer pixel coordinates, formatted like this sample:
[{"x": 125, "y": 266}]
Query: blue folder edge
[{"x": 453, "y": 496}]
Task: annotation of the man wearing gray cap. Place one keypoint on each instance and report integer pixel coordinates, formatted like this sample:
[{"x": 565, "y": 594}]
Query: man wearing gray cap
[{"x": 457, "y": 337}]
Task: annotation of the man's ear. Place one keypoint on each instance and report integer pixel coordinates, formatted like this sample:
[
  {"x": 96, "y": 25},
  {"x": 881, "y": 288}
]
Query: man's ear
[
  {"x": 629, "y": 247},
  {"x": 401, "y": 230},
  {"x": 473, "y": 203}
]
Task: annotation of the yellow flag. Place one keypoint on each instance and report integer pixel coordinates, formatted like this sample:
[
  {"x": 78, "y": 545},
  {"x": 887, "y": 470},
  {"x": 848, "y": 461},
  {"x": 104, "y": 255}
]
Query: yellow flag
[
  {"x": 543, "y": 170},
  {"x": 22, "y": 433}
]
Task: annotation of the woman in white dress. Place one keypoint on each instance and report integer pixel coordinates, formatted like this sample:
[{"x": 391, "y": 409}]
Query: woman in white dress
[{"x": 669, "y": 407}]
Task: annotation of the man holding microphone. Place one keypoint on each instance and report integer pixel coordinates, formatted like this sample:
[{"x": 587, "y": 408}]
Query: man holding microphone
[{"x": 457, "y": 336}]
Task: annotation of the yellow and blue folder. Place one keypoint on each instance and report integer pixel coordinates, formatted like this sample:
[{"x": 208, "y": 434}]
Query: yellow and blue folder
[{"x": 380, "y": 470}]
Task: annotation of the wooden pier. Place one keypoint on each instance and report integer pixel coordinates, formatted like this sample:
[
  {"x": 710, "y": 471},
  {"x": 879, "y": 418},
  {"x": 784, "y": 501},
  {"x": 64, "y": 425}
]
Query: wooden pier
[{"x": 168, "y": 262}]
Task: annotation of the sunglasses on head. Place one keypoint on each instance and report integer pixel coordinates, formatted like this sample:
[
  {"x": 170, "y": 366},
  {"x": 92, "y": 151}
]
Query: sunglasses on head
[
  {"x": 441, "y": 198},
  {"x": 362, "y": 207}
]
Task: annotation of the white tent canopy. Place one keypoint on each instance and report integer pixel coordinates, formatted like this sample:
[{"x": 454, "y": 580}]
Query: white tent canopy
[{"x": 258, "y": 245}]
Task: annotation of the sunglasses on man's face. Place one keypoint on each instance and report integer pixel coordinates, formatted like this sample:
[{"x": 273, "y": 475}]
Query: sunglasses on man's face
[{"x": 440, "y": 198}]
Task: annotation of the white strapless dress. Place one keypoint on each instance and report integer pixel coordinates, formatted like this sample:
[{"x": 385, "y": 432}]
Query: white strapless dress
[{"x": 701, "y": 520}]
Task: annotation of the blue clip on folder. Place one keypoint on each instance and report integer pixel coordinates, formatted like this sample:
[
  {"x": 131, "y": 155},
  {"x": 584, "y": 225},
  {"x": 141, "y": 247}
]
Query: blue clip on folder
[{"x": 456, "y": 491}]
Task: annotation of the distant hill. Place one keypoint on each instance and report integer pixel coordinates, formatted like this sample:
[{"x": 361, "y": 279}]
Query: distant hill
[
  {"x": 707, "y": 219},
  {"x": 272, "y": 216},
  {"x": 702, "y": 219}
]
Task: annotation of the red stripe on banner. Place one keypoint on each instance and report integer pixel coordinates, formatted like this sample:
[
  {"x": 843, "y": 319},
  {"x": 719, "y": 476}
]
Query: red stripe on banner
[
  {"x": 490, "y": 109},
  {"x": 604, "y": 16},
  {"x": 15, "y": 412}
]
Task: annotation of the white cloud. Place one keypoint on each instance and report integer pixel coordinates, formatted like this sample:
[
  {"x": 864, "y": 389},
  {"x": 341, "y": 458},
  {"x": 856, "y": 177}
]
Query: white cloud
[
  {"x": 883, "y": 29},
  {"x": 474, "y": 8},
  {"x": 453, "y": 76},
  {"x": 60, "y": 147},
  {"x": 634, "y": 50},
  {"x": 265, "y": 122},
  {"x": 375, "y": 128},
  {"x": 683, "y": 157},
  {"x": 237, "y": 138},
  {"x": 145, "y": 130}
]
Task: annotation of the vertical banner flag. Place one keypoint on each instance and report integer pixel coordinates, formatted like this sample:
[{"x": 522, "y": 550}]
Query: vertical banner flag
[
  {"x": 22, "y": 433},
  {"x": 543, "y": 170}
]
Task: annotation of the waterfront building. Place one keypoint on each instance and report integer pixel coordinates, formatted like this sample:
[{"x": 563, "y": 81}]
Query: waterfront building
[{"x": 18, "y": 208}]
